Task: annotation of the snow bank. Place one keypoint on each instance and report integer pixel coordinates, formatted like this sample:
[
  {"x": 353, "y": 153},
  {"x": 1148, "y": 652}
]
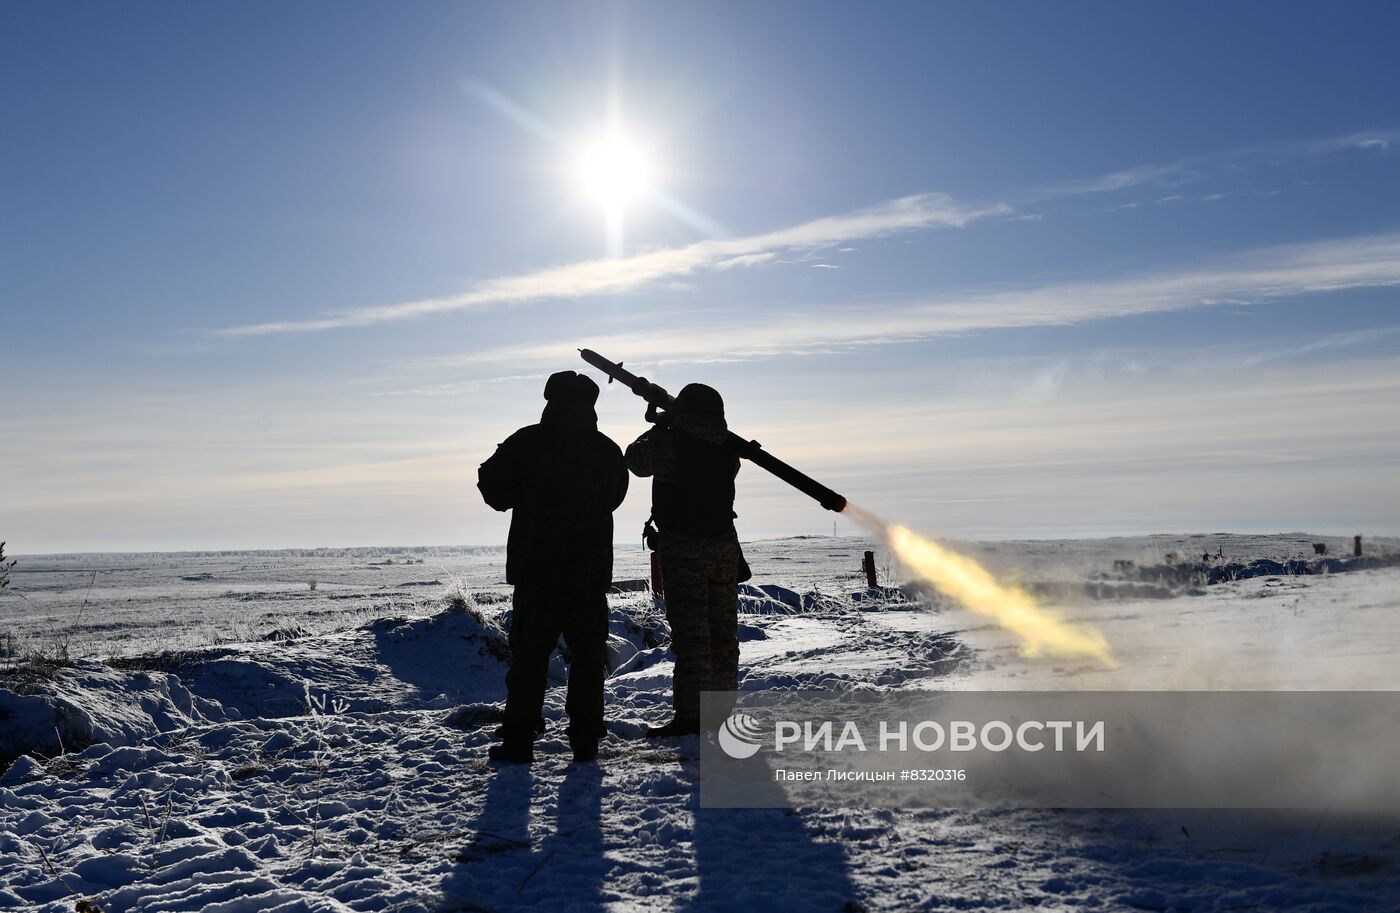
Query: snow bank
[
  {"x": 390, "y": 663},
  {"x": 446, "y": 660},
  {"x": 769, "y": 599},
  {"x": 87, "y": 703}
]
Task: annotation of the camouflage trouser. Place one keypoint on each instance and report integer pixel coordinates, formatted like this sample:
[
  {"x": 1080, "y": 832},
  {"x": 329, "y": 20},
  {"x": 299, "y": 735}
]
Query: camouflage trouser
[{"x": 702, "y": 607}]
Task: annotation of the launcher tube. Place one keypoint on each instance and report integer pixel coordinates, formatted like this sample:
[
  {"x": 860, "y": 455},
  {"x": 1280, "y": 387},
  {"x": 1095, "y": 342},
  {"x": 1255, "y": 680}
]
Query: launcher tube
[{"x": 750, "y": 450}]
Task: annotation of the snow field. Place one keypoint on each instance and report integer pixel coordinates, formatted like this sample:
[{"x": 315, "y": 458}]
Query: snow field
[{"x": 345, "y": 770}]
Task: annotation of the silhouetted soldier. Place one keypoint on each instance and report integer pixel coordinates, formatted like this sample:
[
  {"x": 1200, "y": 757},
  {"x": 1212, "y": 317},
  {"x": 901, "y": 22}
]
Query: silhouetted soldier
[
  {"x": 692, "y": 498},
  {"x": 563, "y": 478}
]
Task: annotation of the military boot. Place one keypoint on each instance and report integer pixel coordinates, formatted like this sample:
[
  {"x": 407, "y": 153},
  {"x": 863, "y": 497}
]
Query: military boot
[
  {"x": 678, "y": 726},
  {"x": 512, "y": 752}
]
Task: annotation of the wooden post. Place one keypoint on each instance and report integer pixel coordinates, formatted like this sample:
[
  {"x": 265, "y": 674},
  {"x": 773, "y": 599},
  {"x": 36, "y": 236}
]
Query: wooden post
[
  {"x": 658, "y": 586},
  {"x": 1356, "y": 546},
  {"x": 869, "y": 565}
]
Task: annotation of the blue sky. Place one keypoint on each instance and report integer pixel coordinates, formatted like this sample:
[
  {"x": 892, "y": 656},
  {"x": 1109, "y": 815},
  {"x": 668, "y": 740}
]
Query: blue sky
[{"x": 283, "y": 274}]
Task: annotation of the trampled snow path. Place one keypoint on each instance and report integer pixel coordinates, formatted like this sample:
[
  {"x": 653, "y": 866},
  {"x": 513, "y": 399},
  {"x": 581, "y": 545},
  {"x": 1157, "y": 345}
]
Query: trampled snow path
[{"x": 375, "y": 807}]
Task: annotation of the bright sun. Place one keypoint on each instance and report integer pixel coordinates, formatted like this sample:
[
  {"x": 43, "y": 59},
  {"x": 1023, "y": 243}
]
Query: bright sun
[{"x": 614, "y": 170}]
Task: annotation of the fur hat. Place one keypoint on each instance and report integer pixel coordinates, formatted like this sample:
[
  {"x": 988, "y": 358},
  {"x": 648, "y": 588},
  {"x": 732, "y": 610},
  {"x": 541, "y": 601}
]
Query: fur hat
[{"x": 570, "y": 386}]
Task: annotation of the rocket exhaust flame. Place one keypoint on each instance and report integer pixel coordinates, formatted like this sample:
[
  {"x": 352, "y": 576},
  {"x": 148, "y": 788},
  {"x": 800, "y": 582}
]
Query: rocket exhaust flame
[{"x": 962, "y": 579}]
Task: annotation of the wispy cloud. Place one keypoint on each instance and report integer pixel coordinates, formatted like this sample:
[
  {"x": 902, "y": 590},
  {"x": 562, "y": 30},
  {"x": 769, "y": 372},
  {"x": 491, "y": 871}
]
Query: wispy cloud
[
  {"x": 1186, "y": 169},
  {"x": 1326, "y": 343},
  {"x": 745, "y": 260},
  {"x": 1117, "y": 180},
  {"x": 1364, "y": 139},
  {"x": 457, "y": 388},
  {"x": 621, "y": 274},
  {"x": 1257, "y": 277}
]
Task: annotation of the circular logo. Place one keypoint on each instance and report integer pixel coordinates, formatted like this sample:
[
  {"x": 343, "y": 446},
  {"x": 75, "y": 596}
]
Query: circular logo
[{"x": 741, "y": 736}]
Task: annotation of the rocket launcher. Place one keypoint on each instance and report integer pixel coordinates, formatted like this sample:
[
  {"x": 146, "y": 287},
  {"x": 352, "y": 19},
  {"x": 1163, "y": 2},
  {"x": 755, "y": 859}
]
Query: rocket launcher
[{"x": 658, "y": 398}]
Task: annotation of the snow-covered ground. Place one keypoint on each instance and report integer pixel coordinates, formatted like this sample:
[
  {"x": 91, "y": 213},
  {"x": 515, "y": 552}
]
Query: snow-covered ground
[{"x": 342, "y": 767}]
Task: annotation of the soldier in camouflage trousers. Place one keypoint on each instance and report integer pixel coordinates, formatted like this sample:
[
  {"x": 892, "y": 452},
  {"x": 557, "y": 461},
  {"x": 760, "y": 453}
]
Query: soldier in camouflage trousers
[
  {"x": 692, "y": 469},
  {"x": 702, "y": 608}
]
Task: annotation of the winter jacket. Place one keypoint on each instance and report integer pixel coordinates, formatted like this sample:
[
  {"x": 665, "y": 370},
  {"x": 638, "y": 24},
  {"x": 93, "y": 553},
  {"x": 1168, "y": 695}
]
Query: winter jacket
[
  {"x": 563, "y": 479},
  {"x": 692, "y": 469}
]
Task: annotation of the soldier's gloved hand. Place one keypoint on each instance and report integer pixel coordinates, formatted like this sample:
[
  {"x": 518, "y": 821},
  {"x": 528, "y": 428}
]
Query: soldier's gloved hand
[{"x": 657, "y": 417}]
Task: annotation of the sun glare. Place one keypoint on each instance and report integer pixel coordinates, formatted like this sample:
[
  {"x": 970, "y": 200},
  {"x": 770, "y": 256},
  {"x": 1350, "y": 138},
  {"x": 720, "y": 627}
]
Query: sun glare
[{"x": 614, "y": 170}]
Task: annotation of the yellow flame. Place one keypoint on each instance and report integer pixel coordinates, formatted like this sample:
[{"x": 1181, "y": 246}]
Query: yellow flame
[{"x": 961, "y": 578}]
